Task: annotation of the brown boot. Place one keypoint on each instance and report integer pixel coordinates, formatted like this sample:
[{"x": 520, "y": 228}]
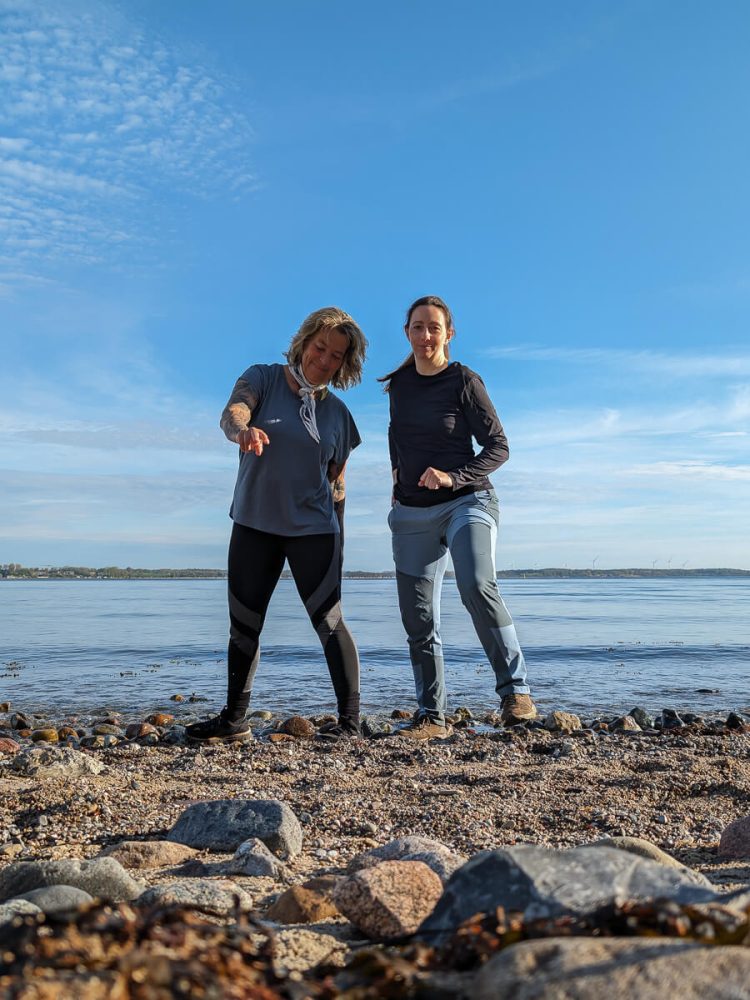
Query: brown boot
[
  {"x": 517, "y": 708},
  {"x": 423, "y": 728}
]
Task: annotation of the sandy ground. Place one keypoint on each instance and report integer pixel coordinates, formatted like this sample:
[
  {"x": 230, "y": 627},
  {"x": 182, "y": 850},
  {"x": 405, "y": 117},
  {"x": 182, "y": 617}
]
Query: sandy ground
[{"x": 478, "y": 790}]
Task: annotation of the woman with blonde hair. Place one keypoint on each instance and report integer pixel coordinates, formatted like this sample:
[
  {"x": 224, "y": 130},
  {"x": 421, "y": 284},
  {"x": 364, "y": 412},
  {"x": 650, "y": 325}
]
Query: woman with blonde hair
[
  {"x": 295, "y": 437},
  {"x": 443, "y": 502}
]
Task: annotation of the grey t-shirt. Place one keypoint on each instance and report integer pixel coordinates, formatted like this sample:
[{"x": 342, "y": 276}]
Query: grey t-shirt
[{"x": 285, "y": 491}]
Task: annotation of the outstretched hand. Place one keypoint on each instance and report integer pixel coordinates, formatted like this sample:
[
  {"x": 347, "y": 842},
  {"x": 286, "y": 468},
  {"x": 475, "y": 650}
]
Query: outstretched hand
[
  {"x": 433, "y": 479},
  {"x": 252, "y": 439}
]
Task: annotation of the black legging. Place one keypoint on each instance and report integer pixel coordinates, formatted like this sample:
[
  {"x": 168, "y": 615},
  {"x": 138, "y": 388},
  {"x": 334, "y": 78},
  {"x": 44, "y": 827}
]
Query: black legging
[{"x": 256, "y": 560}]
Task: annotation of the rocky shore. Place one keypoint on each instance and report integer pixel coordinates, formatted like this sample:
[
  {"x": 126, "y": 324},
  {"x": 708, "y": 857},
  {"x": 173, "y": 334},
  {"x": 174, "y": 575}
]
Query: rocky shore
[{"x": 134, "y": 865}]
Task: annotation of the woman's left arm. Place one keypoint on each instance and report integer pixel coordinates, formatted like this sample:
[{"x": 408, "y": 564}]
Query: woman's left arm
[
  {"x": 338, "y": 489},
  {"x": 348, "y": 440},
  {"x": 485, "y": 426},
  {"x": 336, "y": 479}
]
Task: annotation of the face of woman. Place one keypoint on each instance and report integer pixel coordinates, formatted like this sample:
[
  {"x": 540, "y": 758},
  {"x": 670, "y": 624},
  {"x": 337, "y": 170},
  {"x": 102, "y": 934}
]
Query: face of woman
[
  {"x": 323, "y": 355},
  {"x": 428, "y": 334}
]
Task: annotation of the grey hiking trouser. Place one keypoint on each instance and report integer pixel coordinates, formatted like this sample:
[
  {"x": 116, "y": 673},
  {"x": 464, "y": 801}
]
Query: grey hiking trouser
[{"x": 422, "y": 538}]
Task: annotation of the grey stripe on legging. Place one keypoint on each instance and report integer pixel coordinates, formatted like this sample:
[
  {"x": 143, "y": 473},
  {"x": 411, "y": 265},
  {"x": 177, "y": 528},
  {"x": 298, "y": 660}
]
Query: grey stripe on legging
[{"x": 328, "y": 584}]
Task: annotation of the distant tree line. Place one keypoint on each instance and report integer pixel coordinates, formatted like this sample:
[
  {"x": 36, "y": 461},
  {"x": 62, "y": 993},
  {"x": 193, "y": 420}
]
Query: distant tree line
[{"x": 15, "y": 571}]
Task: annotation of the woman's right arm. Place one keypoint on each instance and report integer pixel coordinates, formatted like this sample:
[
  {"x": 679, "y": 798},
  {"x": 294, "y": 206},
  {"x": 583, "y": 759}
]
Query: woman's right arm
[{"x": 236, "y": 416}]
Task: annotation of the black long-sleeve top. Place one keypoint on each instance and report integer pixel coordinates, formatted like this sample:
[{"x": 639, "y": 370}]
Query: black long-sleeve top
[{"x": 433, "y": 421}]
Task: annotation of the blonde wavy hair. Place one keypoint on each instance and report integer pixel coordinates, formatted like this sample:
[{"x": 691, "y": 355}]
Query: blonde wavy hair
[{"x": 325, "y": 320}]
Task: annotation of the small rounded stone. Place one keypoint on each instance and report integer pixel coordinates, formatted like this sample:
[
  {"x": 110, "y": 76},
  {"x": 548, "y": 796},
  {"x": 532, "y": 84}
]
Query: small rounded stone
[
  {"x": 106, "y": 729},
  {"x": 45, "y": 736},
  {"x": 138, "y": 729},
  {"x": 160, "y": 719},
  {"x": 299, "y": 726}
]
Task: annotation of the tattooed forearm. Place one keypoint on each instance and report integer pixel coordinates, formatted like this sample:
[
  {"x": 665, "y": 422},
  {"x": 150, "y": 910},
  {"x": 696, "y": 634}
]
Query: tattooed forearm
[
  {"x": 338, "y": 489},
  {"x": 336, "y": 479},
  {"x": 238, "y": 411}
]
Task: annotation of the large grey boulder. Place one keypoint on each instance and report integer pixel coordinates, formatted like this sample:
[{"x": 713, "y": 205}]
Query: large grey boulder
[
  {"x": 615, "y": 968},
  {"x": 224, "y": 824},
  {"x": 541, "y": 882},
  {"x": 103, "y": 878}
]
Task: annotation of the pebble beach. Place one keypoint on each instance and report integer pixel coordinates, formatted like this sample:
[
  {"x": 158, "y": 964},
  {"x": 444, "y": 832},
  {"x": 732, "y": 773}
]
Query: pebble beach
[{"x": 83, "y": 789}]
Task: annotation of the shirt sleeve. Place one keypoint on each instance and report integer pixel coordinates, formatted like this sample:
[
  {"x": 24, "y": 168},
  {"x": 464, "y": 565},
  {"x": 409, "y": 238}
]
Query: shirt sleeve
[
  {"x": 254, "y": 378},
  {"x": 348, "y": 438},
  {"x": 486, "y": 429}
]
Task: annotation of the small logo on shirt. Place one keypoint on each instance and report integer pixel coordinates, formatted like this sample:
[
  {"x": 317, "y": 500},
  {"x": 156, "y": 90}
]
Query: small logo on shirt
[{"x": 273, "y": 421}]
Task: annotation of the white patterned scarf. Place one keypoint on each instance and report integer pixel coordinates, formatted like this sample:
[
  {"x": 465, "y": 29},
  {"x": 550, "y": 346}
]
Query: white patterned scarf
[{"x": 307, "y": 393}]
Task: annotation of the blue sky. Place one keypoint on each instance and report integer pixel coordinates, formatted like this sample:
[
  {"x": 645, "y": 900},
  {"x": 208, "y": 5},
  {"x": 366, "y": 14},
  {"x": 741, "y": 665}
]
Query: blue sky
[{"x": 182, "y": 182}]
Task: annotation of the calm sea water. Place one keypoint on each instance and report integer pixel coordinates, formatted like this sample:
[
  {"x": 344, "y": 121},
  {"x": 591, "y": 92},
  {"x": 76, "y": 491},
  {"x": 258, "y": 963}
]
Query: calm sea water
[{"x": 591, "y": 645}]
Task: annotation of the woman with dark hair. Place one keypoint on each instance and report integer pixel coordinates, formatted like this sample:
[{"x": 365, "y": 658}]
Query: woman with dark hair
[
  {"x": 294, "y": 437},
  {"x": 443, "y": 502}
]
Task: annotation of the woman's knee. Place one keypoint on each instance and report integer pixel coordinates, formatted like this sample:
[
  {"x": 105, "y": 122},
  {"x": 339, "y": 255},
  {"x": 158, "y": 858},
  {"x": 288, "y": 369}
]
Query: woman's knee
[
  {"x": 416, "y": 603},
  {"x": 475, "y": 584},
  {"x": 328, "y": 622},
  {"x": 481, "y": 595}
]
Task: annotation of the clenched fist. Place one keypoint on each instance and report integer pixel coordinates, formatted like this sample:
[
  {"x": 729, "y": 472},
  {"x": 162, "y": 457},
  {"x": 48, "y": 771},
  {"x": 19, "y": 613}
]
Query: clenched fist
[{"x": 433, "y": 479}]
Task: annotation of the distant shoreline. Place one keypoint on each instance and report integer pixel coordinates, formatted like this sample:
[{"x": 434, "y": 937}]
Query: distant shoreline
[{"x": 15, "y": 572}]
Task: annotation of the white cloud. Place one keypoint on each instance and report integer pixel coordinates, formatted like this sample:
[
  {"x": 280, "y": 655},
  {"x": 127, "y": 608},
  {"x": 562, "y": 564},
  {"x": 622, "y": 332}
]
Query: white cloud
[
  {"x": 731, "y": 365},
  {"x": 28, "y": 174},
  {"x": 583, "y": 427},
  {"x": 111, "y": 452},
  {"x": 90, "y": 508},
  {"x": 100, "y": 121},
  {"x": 692, "y": 470},
  {"x": 114, "y": 411},
  {"x": 8, "y": 145}
]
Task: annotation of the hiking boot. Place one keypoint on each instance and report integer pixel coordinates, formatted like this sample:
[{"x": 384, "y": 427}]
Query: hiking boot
[
  {"x": 517, "y": 708},
  {"x": 425, "y": 728},
  {"x": 218, "y": 730},
  {"x": 344, "y": 729}
]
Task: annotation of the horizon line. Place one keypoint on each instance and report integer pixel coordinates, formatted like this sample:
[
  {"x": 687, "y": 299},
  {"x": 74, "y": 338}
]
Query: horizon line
[{"x": 12, "y": 569}]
